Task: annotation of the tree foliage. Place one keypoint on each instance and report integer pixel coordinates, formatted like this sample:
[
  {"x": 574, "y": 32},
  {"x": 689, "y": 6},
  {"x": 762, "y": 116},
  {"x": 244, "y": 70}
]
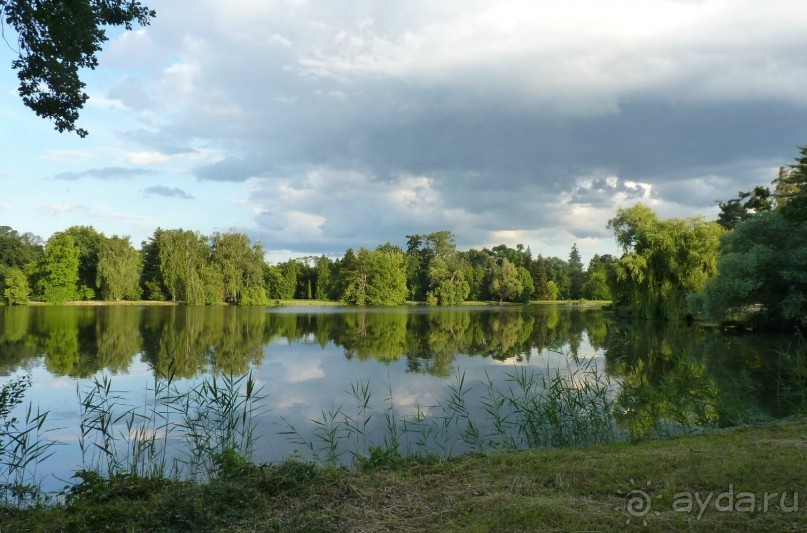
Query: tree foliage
[
  {"x": 596, "y": 284},
  {"x": 57, "y": 270},
  {"x": 664, "y": 261},
  {"x": 18, "y": 250},
  {"x": 763, "y": 263},
  {"x": 791, "y": 189},
  {"x": 375, "y": 278},
  {"x": 183, "y": 255},
  {"x": 57, "y": 38},
  {"x": 15, "y": 287},
  {"x": 88, "y": 241},
  {"x": 118, "y": 270},
  {"x": 506, "y": 284},
  {"x": 744, "y": 206},
  {"x": 240, "y": 267}
]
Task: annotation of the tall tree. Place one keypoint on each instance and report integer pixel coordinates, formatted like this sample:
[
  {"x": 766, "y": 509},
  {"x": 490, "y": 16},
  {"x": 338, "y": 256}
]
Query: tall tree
[
  {"x": 56, "y": 38},
  {"x": 323, "y": 283},
  {"x": 241, "y": 268},
  {"x": 527, "y": 286},
  {"x": 791, "y": 189},
  {"x": 57, "y": 271},
  {"x": 539, "y": 279},
  {"x": 15, "y": 287},
  {"x": 506, "y": 283},
  {"x": 151, "y": 279},
  {"x": 88, "y": 241},
  {"x": 447, "y": 283},
  {"x": 387, "y": 280},
  {"x": 557, "y": 270},
  {"x": 18, "y": 250},
  {"x": 183, "y": 255},
  {"x": 576, "y": 274},
  {"x": 761, "y": 274},
  {"x": 596, "y": 285},
  {"x": 664, "y": 261},
  {"x": 119, "y": 270},
  {"x": 744, "y": 206}
]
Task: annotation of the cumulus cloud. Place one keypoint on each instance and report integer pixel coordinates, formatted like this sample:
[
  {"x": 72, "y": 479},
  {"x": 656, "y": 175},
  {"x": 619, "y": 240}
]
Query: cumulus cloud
[
  {"x": 520, "y": 119},
  {"x": 170, "y": 192}
]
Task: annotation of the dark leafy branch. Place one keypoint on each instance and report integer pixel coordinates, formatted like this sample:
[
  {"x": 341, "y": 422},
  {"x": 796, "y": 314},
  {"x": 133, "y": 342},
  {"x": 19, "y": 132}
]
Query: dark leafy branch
[{"x": 57, "y": 38}]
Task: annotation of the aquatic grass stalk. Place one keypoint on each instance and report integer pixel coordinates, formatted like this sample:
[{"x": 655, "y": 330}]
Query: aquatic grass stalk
[
  {"x": 211, "y": 419},
  {"x": 23, "y": 445},
  {"x": 556, "y": 408}
]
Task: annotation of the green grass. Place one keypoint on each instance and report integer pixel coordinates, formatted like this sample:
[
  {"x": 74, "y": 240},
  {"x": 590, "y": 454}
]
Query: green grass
[
  {"x": 304, "y": 302},
  {"x": 554, "y": 490}
]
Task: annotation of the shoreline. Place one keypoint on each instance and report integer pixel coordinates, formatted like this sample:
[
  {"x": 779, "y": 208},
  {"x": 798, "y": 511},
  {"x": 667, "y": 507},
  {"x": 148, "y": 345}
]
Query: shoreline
[{"x": 314, "y": 303}]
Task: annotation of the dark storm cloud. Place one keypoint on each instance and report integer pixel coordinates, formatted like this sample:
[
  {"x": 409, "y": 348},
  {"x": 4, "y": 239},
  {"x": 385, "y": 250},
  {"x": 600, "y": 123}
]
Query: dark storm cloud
[
  {"x": 234, "y": 168},
  {"x": 106, "y": 173}
]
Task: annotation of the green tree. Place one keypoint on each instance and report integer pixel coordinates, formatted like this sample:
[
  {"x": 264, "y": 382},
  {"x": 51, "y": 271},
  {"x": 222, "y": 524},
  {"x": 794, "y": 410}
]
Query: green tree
[
  {"x": 506, "y": 284},
  {"x": 539, "y": 278},
  {"x": 54, "y": 40},
  {"x": 290, "y": 271},
  {"x": 354, "y": 274},
  {"x": 527, "y": 287},
  {"x": 557, "y": 270},
  {"x": 57, "y": 271},
  {"x": 16, "y": 290},
  {"x": 272, "y": 281},
  {"x": 744, "y": 206},
  {"x": 151, "y": 279},
  {"x": 118, "y": 270},
  {"x": 241, "y": 268},
  {"x": 448, "y": 286},
  {"x": 791, "y": 189},
  {"x": 552, "y": 291},
  {"x": 576, "y": 275},
  {"x": 88, "y": 241},
  {"x": 18, "y": 250},
  {"x": 596, "y": 286},
  {"x": 183, "y": 256},
  {"x": 387, "y": 281},
  {"x": 664, "y": 261},
  {"x": 761, "y": 274},
  {"x": 323, "y": 283}
]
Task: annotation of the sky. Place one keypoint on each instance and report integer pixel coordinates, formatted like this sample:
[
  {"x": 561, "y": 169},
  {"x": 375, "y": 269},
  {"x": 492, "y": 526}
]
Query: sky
[{"x": 318, "y": 126}]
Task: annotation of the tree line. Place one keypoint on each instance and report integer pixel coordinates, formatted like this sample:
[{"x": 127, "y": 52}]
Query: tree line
[
  {"x": 747, "y": 267},
  {"x": 750, "y": 265},
  {"x": 179, "y": 265}
]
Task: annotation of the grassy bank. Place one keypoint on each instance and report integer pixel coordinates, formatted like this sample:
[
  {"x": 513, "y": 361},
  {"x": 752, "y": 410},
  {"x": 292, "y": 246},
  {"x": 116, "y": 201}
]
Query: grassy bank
[
  {"x": 105, "y": 303},
  {"x": 557, "y": 489}
]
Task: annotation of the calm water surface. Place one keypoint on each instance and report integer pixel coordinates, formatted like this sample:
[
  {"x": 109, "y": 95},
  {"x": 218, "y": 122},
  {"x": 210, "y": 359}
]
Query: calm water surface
[{"x": 307, "y": 358}]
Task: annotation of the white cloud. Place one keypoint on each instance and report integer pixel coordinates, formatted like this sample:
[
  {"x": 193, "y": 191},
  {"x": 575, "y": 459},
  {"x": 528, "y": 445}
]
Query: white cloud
[{"x": 147, "y": 158}]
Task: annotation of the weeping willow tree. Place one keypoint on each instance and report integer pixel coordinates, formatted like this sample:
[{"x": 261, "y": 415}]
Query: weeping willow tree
[{"x": 663, "y": 261}]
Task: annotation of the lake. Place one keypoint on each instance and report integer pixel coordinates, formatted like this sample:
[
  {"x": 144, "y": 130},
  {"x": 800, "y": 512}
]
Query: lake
[{"x": 338, "y": 381}]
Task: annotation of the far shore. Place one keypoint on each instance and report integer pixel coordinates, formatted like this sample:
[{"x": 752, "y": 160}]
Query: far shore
[{"x": 313, "y": 303}]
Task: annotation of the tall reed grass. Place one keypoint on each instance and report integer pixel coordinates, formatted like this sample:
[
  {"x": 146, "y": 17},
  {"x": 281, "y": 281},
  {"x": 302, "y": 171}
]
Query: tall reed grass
[
  {"x": 176, "y": 432},
  {"x": 568, "y": 407},
  {"x": 23, "y": 444}
]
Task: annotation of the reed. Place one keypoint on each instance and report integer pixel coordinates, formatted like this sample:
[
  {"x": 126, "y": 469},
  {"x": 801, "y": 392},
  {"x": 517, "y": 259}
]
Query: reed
[{"x": 23, "y": 445}]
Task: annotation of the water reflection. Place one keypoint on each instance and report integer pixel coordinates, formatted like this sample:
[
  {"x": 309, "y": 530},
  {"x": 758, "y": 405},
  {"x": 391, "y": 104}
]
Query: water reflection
[
  {"x": 665, "y": 379},
  {"x": 672, "y": 376},
  {"x": 189, "y": 341},
  {"x": 675, "y": 377}
]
